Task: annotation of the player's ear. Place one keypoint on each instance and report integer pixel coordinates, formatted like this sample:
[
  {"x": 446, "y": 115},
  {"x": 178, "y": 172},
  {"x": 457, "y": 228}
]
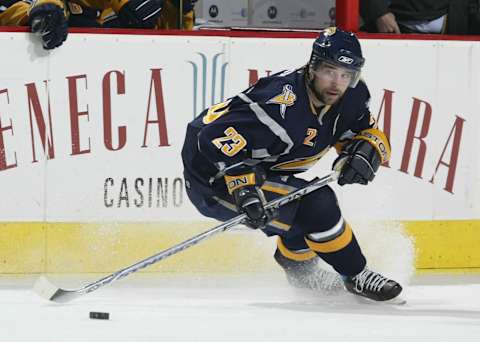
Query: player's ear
[{"x": 309, "y": 73}]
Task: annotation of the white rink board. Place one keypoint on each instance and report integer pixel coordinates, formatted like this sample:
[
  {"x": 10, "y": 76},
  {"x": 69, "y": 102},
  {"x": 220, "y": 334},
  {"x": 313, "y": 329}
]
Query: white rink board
[{"x": 76, "y": 187}]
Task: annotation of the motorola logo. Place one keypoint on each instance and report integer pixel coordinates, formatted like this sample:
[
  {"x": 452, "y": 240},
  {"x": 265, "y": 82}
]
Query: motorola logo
[
  {"x": 213, "y": 11},
  {"x": 272, "y": 12}
]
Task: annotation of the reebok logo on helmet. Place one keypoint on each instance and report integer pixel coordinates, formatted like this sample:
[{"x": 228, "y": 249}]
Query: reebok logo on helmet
[{"x": 345, "y": 60}]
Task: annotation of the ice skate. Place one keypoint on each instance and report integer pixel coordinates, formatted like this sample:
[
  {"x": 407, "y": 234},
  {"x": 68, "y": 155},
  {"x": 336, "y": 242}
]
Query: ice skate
[{"x": 374, "y": 286}]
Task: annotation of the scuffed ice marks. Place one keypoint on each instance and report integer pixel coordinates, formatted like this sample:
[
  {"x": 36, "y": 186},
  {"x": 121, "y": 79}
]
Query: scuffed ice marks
[{"x": 388, "y": 249}]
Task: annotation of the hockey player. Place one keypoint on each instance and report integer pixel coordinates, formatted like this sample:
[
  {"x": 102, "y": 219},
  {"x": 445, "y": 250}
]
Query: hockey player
[{"x": 241, "y": 153}]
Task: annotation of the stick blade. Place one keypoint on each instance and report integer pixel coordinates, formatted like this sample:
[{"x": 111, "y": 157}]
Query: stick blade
[{"x": 46, "y": 289}]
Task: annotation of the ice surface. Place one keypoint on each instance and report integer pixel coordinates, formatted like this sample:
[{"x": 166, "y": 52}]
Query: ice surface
[
  {"x": 238, "y": 308},
  {"x": 250, "y": 307},
  {"x": 44, "y": 288}
]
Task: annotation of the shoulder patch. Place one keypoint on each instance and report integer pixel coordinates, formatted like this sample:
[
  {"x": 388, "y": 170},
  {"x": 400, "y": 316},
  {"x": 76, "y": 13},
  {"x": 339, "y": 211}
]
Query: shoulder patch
[
  {"x": 286, "y": 99},
  {"x": 74, "y": 8}
]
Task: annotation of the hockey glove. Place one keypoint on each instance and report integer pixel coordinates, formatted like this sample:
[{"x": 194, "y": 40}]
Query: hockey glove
[
  {"x": 48, "y": 21},
  {"x": 140, "y": 13},
  {"x": 249, "y": 201},
  {"x": 360, "y": 158},
  {"x": 244, "y": 186}
]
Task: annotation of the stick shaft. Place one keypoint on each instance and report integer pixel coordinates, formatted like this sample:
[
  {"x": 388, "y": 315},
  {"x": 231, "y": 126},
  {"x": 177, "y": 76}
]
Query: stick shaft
[
  {"x": 314, "y": 185},
  {"x": 65, "y": 295}
]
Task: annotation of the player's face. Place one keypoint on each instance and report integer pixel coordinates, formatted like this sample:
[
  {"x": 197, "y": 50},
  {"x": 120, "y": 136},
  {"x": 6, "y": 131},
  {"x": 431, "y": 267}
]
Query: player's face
[{"x": 331, "y": 82}]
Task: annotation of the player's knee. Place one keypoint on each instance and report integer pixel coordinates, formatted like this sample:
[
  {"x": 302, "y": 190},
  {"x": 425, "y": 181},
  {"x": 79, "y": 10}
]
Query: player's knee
[
  {"x": 319, "y": 212},
  {"x": 335, "y": 239}
]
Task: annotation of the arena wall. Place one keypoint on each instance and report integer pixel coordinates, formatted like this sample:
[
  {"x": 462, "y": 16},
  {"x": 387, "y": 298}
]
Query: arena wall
[{"x": 91, "y": 133}]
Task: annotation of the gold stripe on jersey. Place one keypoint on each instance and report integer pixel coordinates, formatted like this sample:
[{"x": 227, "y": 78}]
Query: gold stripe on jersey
[
  {"x": 275, "y": 189},
  {"x": 299, "y": 164},
  {"x": 334, "y": 245},
  {"x": 278, "y": 188},
  {"x": 280, "y": 225},
  {"x": 303, "y": 255}
]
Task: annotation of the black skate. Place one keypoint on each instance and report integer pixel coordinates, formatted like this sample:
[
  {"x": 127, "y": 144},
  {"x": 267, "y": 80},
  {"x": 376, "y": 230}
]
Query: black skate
[
  {"x": 373, "y": 285},
  {"x": 308, "y": 275}
]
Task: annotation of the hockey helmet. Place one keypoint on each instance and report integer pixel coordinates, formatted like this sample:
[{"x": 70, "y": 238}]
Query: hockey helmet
[{"x": 340, "y": 48}]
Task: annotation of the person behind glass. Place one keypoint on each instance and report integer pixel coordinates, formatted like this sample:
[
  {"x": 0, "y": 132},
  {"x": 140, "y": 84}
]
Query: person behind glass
[
  {"x": 49, "y": 19},
  {"x": 46, "y": 18},
  {"x": 418, "y": 16},
  {"x": 165, "y": 18}
]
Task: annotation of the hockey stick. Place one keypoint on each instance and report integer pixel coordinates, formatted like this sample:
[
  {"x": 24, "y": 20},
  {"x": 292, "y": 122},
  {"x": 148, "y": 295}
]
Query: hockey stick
[{"x": 49, "y": 291}]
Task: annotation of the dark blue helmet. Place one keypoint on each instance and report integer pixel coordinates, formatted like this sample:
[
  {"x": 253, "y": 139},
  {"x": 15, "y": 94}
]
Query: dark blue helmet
[{"x": 338, "y": 47}]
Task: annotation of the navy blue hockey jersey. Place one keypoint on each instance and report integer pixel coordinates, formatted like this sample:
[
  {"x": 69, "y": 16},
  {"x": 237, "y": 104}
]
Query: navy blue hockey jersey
[{"x": 274, "y": 125}]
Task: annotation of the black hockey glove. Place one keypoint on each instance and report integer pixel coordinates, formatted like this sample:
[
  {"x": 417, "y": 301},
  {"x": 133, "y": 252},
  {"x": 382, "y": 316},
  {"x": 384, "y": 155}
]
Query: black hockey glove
[
  {"x": 357, "y": 163},
  {"x": 49, "y": 22},
  {"x": 249, "y": 201},
  {"x": 243, "y": 183},
  {"x": 140, "y": 13}
]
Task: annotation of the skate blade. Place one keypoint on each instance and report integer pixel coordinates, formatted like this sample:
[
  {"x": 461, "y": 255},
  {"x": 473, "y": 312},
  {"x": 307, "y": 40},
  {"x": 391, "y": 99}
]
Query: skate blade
[{"x": 396, "y": 301}]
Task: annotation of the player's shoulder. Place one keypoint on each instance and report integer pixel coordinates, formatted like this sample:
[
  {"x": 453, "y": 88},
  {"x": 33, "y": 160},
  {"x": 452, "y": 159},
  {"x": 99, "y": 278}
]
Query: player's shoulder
[
  {"x": 285, "y": 82},
  {"x": 360, "y": 92},
  {"x": 277, "y": 100},
  {"x": 354, "y": 109},
  {"x": 356, "y": 99}
]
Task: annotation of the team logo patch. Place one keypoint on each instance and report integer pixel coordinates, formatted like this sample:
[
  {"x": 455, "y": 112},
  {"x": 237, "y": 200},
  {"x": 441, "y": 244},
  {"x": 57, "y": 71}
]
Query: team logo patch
[
  {"x": 300, "y": 164},
  {"x": 329, "y": 31},
  {"x": 74, "y": 8},
  {"x": 286, "y": 99}
]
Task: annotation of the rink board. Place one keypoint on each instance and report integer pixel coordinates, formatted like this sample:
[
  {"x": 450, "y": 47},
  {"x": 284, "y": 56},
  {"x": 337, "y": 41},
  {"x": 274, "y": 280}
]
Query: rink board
[
  {"x": 86, "y": 248},
  {"x": 91, "y": 145},
  {"x": 105, "y": 248}
]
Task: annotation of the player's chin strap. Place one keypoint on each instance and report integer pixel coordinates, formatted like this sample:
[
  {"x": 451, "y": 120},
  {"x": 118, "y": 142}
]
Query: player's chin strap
[{"x": 49, "y": 291}]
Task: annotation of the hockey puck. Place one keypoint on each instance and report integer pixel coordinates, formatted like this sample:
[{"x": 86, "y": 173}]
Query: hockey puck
[{"x": 99, "y": 315}]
